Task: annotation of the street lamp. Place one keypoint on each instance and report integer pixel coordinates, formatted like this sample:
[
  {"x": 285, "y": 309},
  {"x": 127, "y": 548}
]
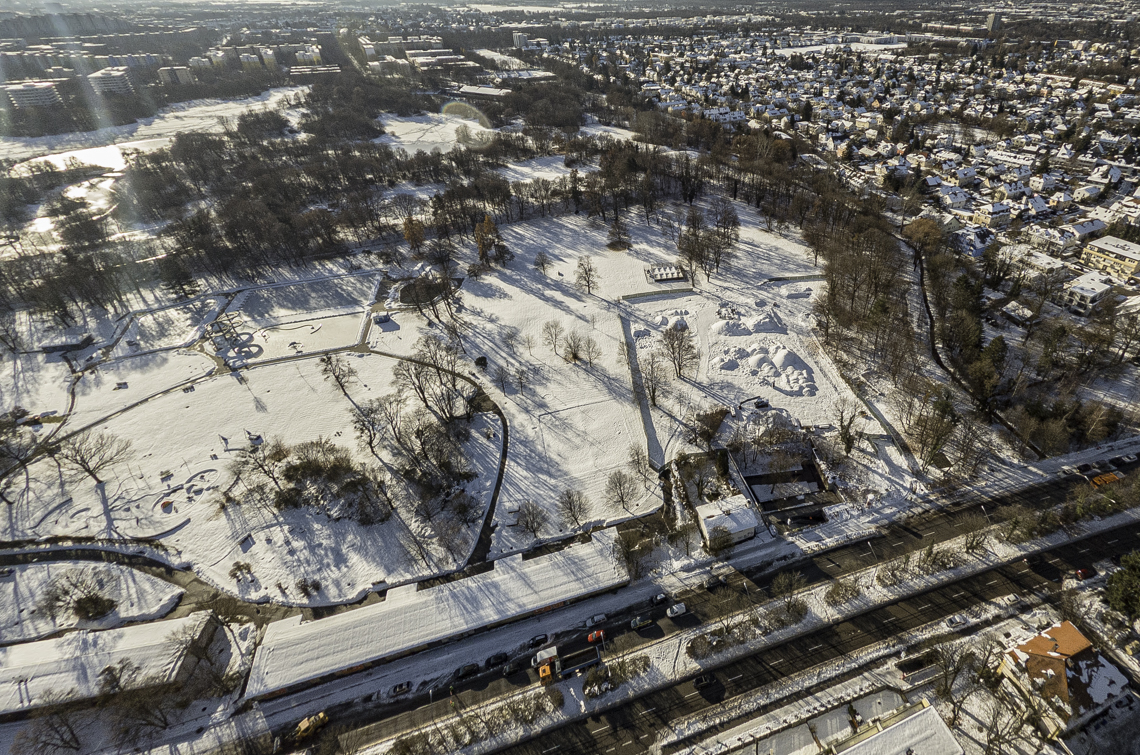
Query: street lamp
[{"x": 987, "y": 514}]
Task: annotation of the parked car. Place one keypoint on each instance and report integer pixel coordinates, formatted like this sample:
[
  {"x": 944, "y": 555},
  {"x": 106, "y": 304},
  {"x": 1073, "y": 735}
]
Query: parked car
[
  {"x": 1083, "y": 574},
  {"x": 512, "y": 668},
  {"x": 956, "y": 620},
  {"x": 1085, "y": 468},
  {"x": 762, "y": 403},
  {"x": 704, "y": 680},
  {"x": 598, "y": 635},
  {"x": 639, "y": 622},
  {"x": 537, "y": 641},
  {"x": 1116, "y": 460},
  {"x": 402, "y": 688},
  {"x": 498, "y": 659},
  {"x": 714, "y": 582},
  {"x": 675, "y": 610},
  {"x": 471, "y": 669},
  {"x": 595, "y": 620},
  {"x": 1068, "y": 470},
  {"x": 658, "y": 599},
  {"x": 1128, "y": 458}
]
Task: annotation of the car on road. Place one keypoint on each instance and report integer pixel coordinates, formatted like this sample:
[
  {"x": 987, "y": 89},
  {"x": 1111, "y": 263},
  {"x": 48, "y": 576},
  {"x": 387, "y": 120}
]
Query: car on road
[
  {"x": 498, "y": 659},
  {"x": 704, "y": 680},
  {"x": 1083, "y": 574},
  {"x": 658, "y": 599},
  {"x": 595, "y": 620},
  {"x": 402, "y": 688},
  {"x": 713, "y": 583},
  {"x": 471, "y": 669},
  {"x": 1068, "y": 470},
  {"x": 675, "y": 610},
  {"x": 310, "y": 726},
  {"x": 598, "y": 635},
  {"x": 955, "y": 621},
  {"x": 639, "y": 622},
  {"x": 537, "y": 641},
  {"x": 512, "y": 668}
]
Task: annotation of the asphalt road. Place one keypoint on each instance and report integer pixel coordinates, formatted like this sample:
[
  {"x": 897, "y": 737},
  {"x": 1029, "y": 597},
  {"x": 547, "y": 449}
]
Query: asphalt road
[{"x": 632, "y": 728}]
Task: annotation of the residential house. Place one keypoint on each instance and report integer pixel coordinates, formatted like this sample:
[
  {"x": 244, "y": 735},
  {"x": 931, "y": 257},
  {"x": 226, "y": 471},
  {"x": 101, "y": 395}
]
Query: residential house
[{"x": 1062, "y": 668}]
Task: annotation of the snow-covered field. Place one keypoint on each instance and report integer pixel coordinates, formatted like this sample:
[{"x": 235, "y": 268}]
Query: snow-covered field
[
  {"x": 182, "y": 446},
  {"x": 104, "y": 147},
  {"x": 35, "y": 382},
  {"x": 434, "y": 131},
  {"x": 138, "y": 597}
]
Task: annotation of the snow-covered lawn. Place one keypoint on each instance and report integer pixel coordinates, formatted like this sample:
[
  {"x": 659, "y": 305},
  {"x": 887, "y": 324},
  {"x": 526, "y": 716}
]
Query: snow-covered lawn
[
  {"x": 35, "y": 382},
  {"x": 550, "y": 168},
  {"x": 427, "y": 133},
  {"x": 182, "y": 446},
  {"x": 111, "y": 386},
  {"x": 274, "y": 305},
  {"x": 180, "y": 325},
  {"x": 92, "y": 147},
  {"x": 138, "y": 597}
]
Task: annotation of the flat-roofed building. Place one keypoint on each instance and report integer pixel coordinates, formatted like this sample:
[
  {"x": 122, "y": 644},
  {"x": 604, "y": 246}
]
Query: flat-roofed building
[
  {"x": 1112, "y": 255},
  {"x": 1083, "y": 293},
  {"x": 115, "y": 80},
  {"x": 33, "y": 94}
]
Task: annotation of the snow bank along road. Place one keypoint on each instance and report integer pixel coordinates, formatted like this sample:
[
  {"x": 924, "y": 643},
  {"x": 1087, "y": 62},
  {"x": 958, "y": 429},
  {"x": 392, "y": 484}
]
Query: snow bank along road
[
  {"x": 633, "y": 727},
  {"x": 896, "y": 540}
]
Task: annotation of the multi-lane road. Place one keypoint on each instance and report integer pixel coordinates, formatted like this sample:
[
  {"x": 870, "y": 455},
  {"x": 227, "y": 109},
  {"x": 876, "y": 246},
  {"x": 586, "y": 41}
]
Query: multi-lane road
[
  {"x": 633, "y": 727},
  {"x": 945, "y": 524}
]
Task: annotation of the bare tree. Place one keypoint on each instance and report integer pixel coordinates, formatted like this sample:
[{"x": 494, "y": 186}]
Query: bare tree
[
  {"x": 654, "y": 376},
  {"x": 846, "y": 412},
  {"x": 591, "y": 350},
  {"x": 94, "y": 453},
  {"x": 522, "y": 377},
  {"x": 639, "y": 461},
  {"x": 79, "y": 592},
  {"x": 552, "y": 331},
  {"x": 621, "y": 488},
  {"x": 1006, "y": 725},
  {"x": 573, "y": 345},
  {"x": 336, "y": 368},
  {"x": 532, "y": 518},
  {"x": 502, "y": 378},
  {"x": 977, "y": 537},
  {"x": 586, "y": 276},
  {"x": 787, "y": 585},
  {"x": 142, "y": 711},
  {"x": 680, "y": 348},
  {"x": 574, "y": 507},
  {"x": 368, "y": 424},
  {"x": 54, "y": 728},
  {"x": 542, "y": 262}
]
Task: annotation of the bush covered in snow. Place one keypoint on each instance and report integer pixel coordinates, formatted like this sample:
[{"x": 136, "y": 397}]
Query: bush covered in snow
[{"x": 602, "y": 679}]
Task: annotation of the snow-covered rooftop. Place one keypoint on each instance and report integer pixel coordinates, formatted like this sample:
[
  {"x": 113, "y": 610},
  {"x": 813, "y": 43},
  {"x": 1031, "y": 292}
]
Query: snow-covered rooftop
[
  {"x": 734, "y": 514},
  {"x": 69, "y": 666},
  {"x": 924, "y": 732},
  {"x": 294, "y": 654}
]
